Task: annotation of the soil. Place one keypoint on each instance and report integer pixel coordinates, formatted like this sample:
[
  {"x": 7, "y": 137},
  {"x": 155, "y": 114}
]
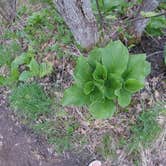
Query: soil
[{"x": 19, "y": 146}]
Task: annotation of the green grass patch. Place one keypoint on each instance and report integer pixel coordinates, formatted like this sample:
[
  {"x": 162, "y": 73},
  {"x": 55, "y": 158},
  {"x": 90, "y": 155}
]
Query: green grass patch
[
  {"x": 145, "y": 130},
  {"x": 30, "y": 100}
]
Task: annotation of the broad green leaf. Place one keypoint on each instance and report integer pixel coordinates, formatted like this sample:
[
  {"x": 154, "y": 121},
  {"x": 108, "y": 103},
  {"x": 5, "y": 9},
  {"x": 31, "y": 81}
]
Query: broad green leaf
[
  {"x": 100, "y": 85},
  {"x": 89, "y": 87},
  {"x": 114, "y": 83},
  {"x": 133, "y": 85},
  {"x": 82, "y": 72},
  {"x": 156, "y": 26},
  {"x": 74, "y": 96},
  {"x": 115, "y": 57},
  {"x": 102, "y": 109},
  {"x": 96, "y": 95},
  {"x": 13, "y": 77},
  {"x": 44, "y": 69},
  {"x": 14, "y": 74},
  {"x": 138, "y": 68},
  {"x": 25, "y": 75},
  {"x": 124, "y": 97},
  {"x": 100, "y": 72},
  {"x": 19, "y": 60},
  {"x": 94, "y": 56},
  {"x": 34, "y": 67}
]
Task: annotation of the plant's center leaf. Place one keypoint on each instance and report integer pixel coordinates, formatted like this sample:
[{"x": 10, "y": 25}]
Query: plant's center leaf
[{"x": 102, "y": 109}]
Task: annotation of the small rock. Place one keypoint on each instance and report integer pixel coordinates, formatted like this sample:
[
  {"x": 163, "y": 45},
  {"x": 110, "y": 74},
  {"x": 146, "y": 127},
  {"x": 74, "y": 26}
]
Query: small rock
[{"x": 95, "y": 163}]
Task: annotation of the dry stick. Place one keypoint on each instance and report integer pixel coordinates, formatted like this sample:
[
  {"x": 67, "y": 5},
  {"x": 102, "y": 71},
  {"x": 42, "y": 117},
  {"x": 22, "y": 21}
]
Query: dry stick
[
  {"x": 155, "y": 53},
  {"x": 141, "y": 18},
  {"x": 132, "y": 20}
]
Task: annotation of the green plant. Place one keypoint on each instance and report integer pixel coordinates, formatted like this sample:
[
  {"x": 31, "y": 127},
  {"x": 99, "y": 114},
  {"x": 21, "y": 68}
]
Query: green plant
[
  {"x": 9, "y": 52},
  {"x": 106, "y": 6},
  {"x": 24, "y": 64},
  {"x": 145, "y": 130},
  {"x": 156, "y": 26},
  {"x": 108, "y": 74},
  {"x": 34, "y": 69},
  {"x": 58, "y": 133},
  {"x": 105, "y": 147},
  {"x": 112, "y": 8},
  {"x": 24, "y": 67},
  {"x": 30, "y": 100}
]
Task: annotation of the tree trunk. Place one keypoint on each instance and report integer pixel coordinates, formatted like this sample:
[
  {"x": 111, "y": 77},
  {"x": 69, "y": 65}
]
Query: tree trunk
[
  {"x": 8, "y": 9},
  {"x": 140, "y": 24},
  {"x": 79, "y": 17}
]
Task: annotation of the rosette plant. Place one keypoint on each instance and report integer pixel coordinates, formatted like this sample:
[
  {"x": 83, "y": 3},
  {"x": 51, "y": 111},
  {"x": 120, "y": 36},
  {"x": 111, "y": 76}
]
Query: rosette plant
[{"x": 107, "y": 76}]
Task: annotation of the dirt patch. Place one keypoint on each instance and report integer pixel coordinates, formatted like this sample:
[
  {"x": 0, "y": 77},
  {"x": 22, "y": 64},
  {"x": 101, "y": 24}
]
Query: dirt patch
[{"x": 20, "y": 147}]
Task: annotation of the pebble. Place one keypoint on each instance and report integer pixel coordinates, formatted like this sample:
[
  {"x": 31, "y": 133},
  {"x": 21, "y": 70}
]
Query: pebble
[{"x": 95, "y": 163}]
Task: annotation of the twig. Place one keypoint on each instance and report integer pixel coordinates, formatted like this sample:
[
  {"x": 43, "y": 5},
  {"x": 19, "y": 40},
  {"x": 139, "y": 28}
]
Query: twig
[
  {"x": 141, "y": 18},
  {"x": 155, "y": 53}
]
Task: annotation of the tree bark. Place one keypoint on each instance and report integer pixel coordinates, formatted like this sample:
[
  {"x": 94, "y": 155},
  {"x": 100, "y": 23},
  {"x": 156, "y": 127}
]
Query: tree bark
[
  {"x": 79, "y": 17},
  {"x": 140, "y": 24},
  {"x": 8, "y": 9}
]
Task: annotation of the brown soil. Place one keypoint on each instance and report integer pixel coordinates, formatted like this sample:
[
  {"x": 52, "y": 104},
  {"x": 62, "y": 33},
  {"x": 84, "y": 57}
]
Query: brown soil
[{"x": 20, "y": 147}]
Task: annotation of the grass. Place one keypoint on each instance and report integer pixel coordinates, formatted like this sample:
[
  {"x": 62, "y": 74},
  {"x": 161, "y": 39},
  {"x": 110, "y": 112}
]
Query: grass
[
  {"x": 106, "y": 147},
  {"x": 30, "y": 100},
  {"x": 145, "y": 130},
  {"x": 143, "y": 133},
  {"x": 60, "y": 134}
]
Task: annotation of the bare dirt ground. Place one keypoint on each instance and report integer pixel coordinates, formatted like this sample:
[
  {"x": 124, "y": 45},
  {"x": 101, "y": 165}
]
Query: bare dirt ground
[{"x": 20, "y": 147}]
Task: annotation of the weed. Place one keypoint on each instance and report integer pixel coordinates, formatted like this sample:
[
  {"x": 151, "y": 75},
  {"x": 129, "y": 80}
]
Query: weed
[
  {"x": 59, "y": 134},
  {"x": 145, "y": 130},
  {"x": 9, "y": 52},
  {"x": 99, "y": 81},
  {"x": 24, "y": 64},
  {"x": 30, "y": 100},
  {"x": 106, "y": 146},
  {"x": 156, "y": 26}
]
